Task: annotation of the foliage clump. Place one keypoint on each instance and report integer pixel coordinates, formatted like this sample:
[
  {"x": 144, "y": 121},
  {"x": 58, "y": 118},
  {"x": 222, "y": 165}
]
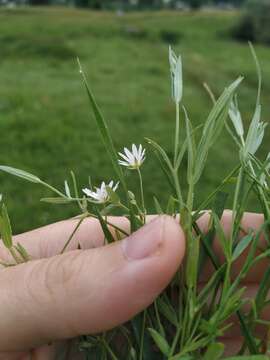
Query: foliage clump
[{"x": 254, "y": 25}]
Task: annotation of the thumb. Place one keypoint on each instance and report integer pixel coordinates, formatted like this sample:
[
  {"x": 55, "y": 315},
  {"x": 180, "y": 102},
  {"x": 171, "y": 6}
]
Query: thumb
[{"x": 83, "y": 292}]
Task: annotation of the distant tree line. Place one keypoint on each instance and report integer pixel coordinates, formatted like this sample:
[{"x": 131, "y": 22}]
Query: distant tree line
[{"x": 136, "y": 4}]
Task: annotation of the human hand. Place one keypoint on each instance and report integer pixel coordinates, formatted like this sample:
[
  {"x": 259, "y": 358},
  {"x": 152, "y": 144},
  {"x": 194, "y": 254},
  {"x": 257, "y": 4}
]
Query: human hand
[
  {"x": 58, "y": 297},
  {"x": 96, "y": 288}
]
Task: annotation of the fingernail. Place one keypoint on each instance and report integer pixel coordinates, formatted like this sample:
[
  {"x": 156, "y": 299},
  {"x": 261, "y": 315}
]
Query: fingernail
[{"x": 146, "y": 241}]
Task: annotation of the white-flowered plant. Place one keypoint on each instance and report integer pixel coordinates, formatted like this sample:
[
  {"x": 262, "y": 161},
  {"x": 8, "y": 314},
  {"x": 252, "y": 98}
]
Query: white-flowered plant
[
  {"x": 101, "y": 194},
  {"x": 188, "y": 320},
  {"x": 132, "y": 159}
]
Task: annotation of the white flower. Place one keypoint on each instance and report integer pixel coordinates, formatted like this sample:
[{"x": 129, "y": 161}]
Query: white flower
[
  {"x": 100, "y": 195},
  {"x": 133, "y": 159},
  {"x": 176, "y": 76}
]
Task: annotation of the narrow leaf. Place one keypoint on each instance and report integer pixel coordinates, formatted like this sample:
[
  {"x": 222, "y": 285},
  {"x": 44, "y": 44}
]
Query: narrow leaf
[
  {"x": 20, "y": 173},
  {"x": 158, "y": 207},
  {"x": 214, "y": 351},
  {"x": 242, "y": 245},
  {"x": 167, "y": 311},
  {"x": 103, "y": 224},
  {"x": 56, "y": 200},
  {"x": 5, "y": 228},
  {"x": 248, "y": 336},
  {"x": 248, "y": 357},
  {"x": 160, "y": 341}
]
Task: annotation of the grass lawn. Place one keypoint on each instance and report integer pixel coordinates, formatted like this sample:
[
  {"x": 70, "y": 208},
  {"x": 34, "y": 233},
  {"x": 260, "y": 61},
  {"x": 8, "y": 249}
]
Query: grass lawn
[{"x": 45, "y": 124}]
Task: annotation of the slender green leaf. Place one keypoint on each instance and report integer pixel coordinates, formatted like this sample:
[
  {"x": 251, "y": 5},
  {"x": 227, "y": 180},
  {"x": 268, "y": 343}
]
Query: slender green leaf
[
  {"x": 248, "y": 357},
  {"x": 67, "y": 189},
  {"x": 242, "y": 245},
  {"x": 22, "y": 251},
  {"x": 191, "y": 148},
  {"x": 225, "y": 244},
  {"x": 5, "y": 228},
  {"x": 214, "y": 351},
  {"x": 114, "y": 198},
  {"x": 103, "y": 128},
  {"x": 104, "y": 226},
  {"x": 248, "y": 336},
  {"x": 20, "y": 173},
  {"x": 57, "y": 200},
  {"x": 212, "y": 127},
  {"x": 161, "y": 151},
  {"x": 171, "y": 206},
  {"x": 158, "y": 207},
  {"x": 181, "y": 357},
  {"x": 167, "y": 311},
  {"x": 211, "y": 284},
  {"x": 160, "y": 341},
  {"x": 263, "y": 291}
]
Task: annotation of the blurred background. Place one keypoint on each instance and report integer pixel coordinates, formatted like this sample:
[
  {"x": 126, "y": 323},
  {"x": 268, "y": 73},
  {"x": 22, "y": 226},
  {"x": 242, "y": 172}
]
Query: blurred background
[{"x": 46, "y": 126}]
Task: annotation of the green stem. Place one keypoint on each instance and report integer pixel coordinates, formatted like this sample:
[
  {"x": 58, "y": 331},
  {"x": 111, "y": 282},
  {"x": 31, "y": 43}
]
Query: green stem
[
  {"x": 113, "y": 356},
  {"x": 110, "y": 224},
  {"x": 53, "y": 189},
  {"x": 176, "y": 142},
  {"x": 177, "y": 188},
  {"x": 175, "y": 340},
  {"x": 75, "y": 186},
  {"x": 142, "y": 336},
  {"x": 161, "y": 329},
  {"x": 236, "y": 204},
  {"x": 141, "y": 190},
  {"x": 73, "y": 233},
  {"x": 210, "y": 197},
  {"x": 14, "y": 255}
]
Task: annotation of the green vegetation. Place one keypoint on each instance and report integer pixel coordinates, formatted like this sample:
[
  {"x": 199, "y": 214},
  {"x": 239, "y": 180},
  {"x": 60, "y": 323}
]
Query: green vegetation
[
  {"x": 45, "y": 123},
  {"x": 255, "y": 23}
]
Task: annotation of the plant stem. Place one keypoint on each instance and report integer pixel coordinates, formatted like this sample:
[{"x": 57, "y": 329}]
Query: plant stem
[
  {"x": 177, "y": 125},
  {"x": 53, "y": 189},
  {"x": 113, "y": 356},
  {"x": 142, "y": 335},
  {"x": 141, "y": 190},
  {"x": 110, "y": 224},
  {"x": 236, "y": 204},
  {"x": 175, "y": 340},
  {"x": 73, "y": 233},
  {"x": 177, "y": 188},
  {"x": 14, "y": 255}
]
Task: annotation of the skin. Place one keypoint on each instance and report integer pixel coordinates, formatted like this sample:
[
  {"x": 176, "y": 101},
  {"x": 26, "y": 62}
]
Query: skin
[{"x": 54, "y": 298}]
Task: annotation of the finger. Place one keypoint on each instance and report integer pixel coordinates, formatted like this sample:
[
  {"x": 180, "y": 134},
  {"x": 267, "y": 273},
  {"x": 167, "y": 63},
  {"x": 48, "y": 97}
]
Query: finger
[
  {"x": 232, "y": 345},
  {"x": 88, "y": 291},
  {"x": 49, "y": 240}
]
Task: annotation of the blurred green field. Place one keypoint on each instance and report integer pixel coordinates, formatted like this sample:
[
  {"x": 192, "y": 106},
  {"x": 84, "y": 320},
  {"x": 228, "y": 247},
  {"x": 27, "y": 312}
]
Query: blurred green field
[{"x": 45, "y": 124}]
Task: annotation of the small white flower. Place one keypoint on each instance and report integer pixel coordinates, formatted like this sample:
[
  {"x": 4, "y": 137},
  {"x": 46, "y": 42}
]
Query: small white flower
[
  {"x": 134, "y": 158},
  {"x": 100, "y": 195}
]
